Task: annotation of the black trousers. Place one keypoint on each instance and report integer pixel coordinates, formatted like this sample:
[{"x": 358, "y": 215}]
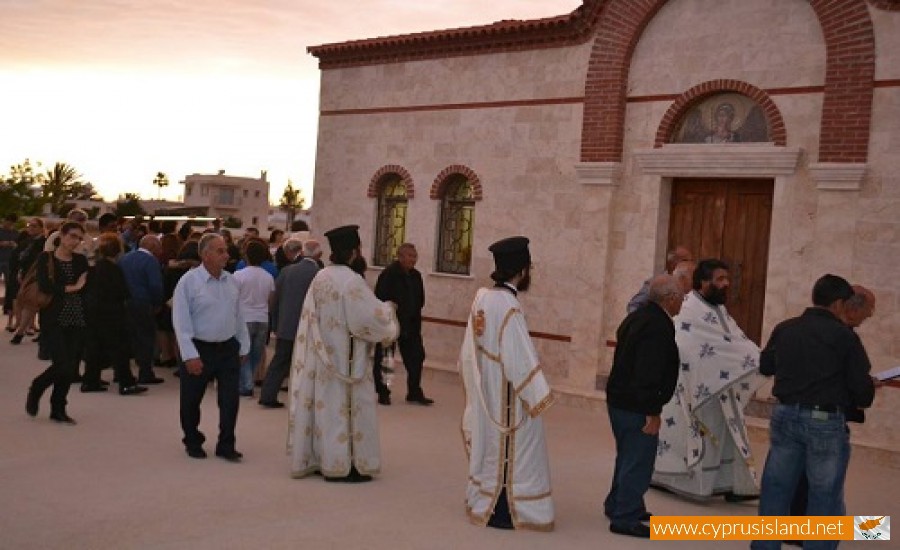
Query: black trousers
[
  {"x": 108, "y": 345},
  {"x": 222, "y": 363},
  {"x": 412, "y": 350},
  {"x": 279, "y": 368},
  {"x": 66, "y": 347},
  {"x": 142, "y": 333}
]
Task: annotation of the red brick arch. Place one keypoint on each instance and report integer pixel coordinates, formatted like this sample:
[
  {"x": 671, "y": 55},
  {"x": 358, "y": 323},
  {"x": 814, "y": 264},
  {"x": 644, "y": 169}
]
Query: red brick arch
[
  {"x": 405, "y": 179},
  {"x": 437, "y": 188},
  {"x": 888, "y": 5},
  {"x": 849, "y": 76},
  {"x": 700, "y": 92}
]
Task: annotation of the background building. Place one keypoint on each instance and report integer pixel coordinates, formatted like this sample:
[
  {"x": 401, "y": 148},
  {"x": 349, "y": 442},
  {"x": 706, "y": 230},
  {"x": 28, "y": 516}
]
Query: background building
[
  {"x": 246, "y": 199},
  {"x": 762, "y": 132}
]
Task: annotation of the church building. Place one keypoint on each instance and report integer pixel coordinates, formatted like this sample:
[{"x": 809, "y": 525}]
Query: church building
[{"x": 762, "y": 132}]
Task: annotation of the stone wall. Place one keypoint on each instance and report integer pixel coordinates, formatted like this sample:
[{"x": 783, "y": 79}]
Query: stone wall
[{"x": 517, "y": 120}]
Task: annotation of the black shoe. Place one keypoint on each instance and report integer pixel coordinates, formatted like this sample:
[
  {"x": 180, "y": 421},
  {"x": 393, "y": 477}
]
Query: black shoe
[
  {"x": 91, "y": 388},
  {"x": 62, "y": 418},
  {"x": 500, "y": 523},
  {"x": 731, "y": 497},
  {"x": 150, "y": 380},
  {"x": 354, "y": 477},
  {"x": 195, "y": 452},
  {"x": 644, "y": 517},
  {"x": 243, "y": 393},
  {"x": 420, "y": 399},
  {"x": 634, "y": 530},
  {"x": 132, "y": 390},
  {"x": 16, "y": 340},
  {"x": 104, "y": 383},
  {"x": 230, "y": 456},
  {"x": 384, "y": 399},
  {"x": 272, "y": 404},
  {"x": 32, "y": 402}
]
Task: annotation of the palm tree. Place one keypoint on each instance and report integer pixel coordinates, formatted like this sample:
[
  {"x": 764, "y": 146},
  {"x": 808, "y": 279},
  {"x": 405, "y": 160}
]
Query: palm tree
[
  {"x": 61, "y": 184},
  {"x": 161, "y": 180},
  {"x": 291, "y": 202}
]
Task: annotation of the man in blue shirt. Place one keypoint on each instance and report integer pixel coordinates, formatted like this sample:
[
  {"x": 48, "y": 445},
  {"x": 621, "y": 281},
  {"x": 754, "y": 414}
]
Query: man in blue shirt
[
  {"x": 213, "y": 340},
  {"x": 143, "y": 276}
]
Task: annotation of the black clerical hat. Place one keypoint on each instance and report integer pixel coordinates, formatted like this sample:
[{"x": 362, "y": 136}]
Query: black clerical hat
[
  {"x": 343, "y": 238},
  {"x": 511, "y": 254}
]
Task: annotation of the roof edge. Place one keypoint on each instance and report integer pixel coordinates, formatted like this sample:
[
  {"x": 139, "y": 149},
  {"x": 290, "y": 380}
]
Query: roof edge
[{"x": 511, "y": 34}]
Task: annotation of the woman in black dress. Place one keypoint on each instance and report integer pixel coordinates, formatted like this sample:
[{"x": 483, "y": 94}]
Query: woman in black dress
[{"x": 107, "y": 341}]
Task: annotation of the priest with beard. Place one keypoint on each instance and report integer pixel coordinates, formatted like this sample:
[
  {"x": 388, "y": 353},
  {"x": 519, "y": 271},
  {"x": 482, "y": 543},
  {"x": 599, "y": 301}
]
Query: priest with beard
[
  {"x": 332, "y": 428},
  {"x": 703, "y": 447},
  {"x": 506, "y": 393}
]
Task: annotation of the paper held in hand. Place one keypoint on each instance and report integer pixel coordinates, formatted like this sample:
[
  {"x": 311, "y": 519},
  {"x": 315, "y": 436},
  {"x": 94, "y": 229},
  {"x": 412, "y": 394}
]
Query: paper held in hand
[{"x": 888, "y": 374}]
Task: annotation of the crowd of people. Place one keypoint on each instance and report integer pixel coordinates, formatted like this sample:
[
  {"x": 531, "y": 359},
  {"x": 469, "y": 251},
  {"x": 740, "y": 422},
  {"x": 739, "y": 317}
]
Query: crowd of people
[
  {"x": 92, "y": 303},
  {"x": 683, "y": 371}
]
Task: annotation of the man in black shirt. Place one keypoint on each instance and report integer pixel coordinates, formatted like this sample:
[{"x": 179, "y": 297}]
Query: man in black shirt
[
  {"x": 642, "y": 380},
  {"x": 401, "y": 283},
  {"x": 821, "y": 371}
]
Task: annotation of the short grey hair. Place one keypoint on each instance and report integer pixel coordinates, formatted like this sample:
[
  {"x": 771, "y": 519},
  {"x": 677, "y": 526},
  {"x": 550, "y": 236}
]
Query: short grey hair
[
  {"x": 292, "y": 246},
  {"x": 204, "y": 242},
  {"x": 856, "y": 302},
  {"x": 77, "y": 215},
  {"x": 312, "y": 248},
  {"x": 663, "y": 286}
]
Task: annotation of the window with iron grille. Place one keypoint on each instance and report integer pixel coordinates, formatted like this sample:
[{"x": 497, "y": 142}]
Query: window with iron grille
[
  {"x": 390, "y": 229},
  {"x": 455, "y": 232}
]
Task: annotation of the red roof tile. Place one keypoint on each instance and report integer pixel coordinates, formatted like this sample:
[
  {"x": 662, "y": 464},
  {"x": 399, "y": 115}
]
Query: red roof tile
[{"x": 509, "y": 34}]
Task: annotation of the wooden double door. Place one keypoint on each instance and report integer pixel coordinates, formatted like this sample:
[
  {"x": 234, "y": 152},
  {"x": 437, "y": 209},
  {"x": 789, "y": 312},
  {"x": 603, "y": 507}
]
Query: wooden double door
[{"x": 728, "y": 219}]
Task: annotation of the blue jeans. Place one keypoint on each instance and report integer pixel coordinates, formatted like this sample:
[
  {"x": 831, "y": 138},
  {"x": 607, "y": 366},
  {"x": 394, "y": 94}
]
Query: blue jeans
[
  {"x": 635, "y": 457},
  {"x": 811, "y": 441},
  {"x": 258, "y": 332}
]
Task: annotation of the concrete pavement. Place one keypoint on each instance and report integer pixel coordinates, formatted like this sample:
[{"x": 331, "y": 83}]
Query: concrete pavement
[{"x": 120, "y": 478}]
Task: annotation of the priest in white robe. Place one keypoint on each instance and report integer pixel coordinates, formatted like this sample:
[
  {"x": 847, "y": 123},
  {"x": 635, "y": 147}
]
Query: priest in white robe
[
  {"x": 333, "y": 429},
  {"x": 704, "y": 449},
  {"x": 506, "y": 393}
]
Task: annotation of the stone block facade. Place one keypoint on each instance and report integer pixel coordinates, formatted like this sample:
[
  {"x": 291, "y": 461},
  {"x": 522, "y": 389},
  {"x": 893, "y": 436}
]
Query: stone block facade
[{"x": 566, "y": 125}]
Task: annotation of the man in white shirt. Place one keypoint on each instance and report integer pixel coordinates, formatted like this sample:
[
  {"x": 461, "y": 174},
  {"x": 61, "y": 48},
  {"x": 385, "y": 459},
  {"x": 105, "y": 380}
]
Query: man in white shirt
[{"x": 256, "y": 287}]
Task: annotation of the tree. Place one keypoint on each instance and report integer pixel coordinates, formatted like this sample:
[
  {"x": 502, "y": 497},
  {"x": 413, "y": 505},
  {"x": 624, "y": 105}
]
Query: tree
[
  {"x": 291, "y": 203},
  {"x": 18, "y": 189},
  {"x": 129, "y": 205},
  {"x": 161, "y": 180},
  {"x": 63, "y": 183}
]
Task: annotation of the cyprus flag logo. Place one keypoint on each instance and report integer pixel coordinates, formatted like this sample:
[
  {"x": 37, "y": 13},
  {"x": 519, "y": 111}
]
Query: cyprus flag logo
[{"x": 871, "y": 527}]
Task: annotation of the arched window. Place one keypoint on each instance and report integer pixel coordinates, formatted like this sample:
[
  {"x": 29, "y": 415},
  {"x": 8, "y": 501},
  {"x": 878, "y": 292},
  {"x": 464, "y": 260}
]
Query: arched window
[
  {"x": 390, "y": 229},
  {"x": 455, "y": 232}
]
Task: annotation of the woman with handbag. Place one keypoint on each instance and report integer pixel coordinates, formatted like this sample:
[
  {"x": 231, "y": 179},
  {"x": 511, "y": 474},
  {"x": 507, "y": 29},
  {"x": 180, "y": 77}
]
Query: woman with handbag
[
  {"x": 29, "y": 250},
  {"x": 63, "y": 274}
]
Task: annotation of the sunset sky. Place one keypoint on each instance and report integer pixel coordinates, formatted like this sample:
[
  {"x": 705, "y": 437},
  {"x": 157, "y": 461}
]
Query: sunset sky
[{"x": 122, "y": 89}]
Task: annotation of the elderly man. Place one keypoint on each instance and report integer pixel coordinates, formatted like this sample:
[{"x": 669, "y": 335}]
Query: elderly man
[
  {"x": 642, "y": 380},
  {"x": 703, "y": 445},
  {"x": 333, "y": 429},
  {"x": 213, "y": 340},
  {"x": 506, "y": 393},
  {"x": 143, "y": 277},
  {"x": 821, "y": 372},
  {"x": 673, "y": 258},
  {"x": 401, "y": 283},
  {"x": 290, "y": 290}
]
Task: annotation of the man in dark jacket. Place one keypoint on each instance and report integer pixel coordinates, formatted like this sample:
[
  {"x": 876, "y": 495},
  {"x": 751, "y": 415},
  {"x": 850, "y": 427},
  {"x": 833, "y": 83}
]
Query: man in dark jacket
[
  {"x": 642, "y": 380},
  {"x": 401, "y": 284}
]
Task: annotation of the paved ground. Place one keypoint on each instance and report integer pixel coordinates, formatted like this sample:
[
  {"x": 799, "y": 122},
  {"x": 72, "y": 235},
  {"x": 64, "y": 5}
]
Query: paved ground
[{"x": 120, "y": 479}]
